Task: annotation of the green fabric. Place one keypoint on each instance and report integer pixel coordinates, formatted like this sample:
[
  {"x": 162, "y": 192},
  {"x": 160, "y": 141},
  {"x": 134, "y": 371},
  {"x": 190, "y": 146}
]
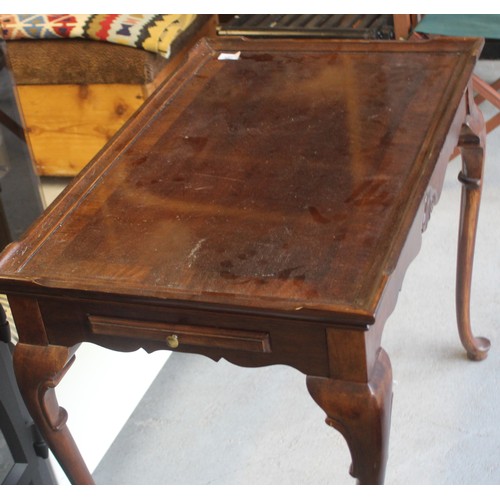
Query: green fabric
[{"x": 468, "y": 25}]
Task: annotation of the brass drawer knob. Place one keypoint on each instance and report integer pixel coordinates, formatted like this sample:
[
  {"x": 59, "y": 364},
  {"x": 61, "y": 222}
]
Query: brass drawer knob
[{"x": 173, "y": 341}]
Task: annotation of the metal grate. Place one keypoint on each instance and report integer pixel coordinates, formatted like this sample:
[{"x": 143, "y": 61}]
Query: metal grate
[{"x": 351, "y": 26}]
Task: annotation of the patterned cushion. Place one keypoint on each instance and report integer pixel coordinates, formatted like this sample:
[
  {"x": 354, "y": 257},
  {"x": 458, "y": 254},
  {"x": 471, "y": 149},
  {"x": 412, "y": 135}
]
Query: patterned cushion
[{"x": 150, "y": 32}]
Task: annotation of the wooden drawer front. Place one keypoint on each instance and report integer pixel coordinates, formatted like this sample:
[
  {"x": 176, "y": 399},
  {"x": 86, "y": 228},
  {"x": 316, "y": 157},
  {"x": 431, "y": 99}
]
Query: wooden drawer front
[{"x": 182, "y": 335}]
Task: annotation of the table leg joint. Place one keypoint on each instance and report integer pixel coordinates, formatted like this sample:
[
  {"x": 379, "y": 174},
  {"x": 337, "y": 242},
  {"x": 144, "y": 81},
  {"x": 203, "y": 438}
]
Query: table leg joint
[{"x": 361, "y": 413}]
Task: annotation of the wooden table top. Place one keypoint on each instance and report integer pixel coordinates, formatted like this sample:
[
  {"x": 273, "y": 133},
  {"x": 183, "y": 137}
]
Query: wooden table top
[{"x": 286, "y": 179}]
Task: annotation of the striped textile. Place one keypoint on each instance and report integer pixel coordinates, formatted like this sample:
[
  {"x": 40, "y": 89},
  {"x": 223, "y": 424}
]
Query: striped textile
[
  {"x": 151, "y": 32},
  {"x": 6, "y": 307}
]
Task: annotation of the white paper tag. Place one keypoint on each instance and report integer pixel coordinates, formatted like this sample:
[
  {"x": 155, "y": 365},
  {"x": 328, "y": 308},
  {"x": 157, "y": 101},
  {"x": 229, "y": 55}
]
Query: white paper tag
[{"x": 227, "y": 56}]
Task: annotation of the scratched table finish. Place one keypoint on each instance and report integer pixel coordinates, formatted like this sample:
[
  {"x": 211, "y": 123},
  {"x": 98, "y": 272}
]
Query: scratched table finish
[{"x": 263, "y": 207}]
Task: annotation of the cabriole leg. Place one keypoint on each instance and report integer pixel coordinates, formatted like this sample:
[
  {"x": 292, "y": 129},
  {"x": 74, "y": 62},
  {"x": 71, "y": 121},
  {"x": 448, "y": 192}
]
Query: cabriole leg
[
  {"x": 472, "y": 140},
  {"x": 38, "y": 370},
  {"x": 362, "y": 414}
]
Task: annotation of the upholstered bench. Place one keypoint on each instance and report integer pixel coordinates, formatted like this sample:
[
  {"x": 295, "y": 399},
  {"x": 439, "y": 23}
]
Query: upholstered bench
[{"x": 75, "y": 93}]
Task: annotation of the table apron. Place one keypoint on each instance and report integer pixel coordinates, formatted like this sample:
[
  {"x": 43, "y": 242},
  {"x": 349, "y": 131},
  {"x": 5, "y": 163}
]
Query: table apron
[{"x": 243, "y": 339}]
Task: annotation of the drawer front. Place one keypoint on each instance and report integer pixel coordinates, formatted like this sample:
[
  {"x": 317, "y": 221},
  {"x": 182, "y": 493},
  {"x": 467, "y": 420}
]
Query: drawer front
[
  {"x": 244, "y": 339},
  {"x": 182, "y": 335}
]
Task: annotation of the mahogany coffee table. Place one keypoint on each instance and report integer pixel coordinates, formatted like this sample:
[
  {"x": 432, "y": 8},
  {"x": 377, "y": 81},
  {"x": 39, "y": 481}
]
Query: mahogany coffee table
[{"x": 262, "y": 207}]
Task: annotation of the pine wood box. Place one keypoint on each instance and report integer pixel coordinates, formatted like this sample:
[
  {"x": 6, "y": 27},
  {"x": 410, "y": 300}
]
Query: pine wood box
[{"x": 76, "y": 94}]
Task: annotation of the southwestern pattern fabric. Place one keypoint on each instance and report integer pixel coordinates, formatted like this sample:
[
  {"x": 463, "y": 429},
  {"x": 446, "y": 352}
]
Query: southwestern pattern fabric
[{"x": 151, "y": 32}]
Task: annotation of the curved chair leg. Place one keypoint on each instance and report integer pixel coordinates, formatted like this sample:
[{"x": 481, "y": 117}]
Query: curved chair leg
[
  {"x": 362, "y": 414},
  {"x": 471, "y": 144},
  {"x": 38, "y": 370}
]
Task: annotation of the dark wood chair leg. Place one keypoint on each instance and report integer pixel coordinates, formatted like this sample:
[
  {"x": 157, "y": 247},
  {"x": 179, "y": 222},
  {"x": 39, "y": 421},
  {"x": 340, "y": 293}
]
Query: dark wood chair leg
[
  {"x": 471, "y": 144},
  {"x": 38, "y": 370},
  {"x": 362, "y": 414}
]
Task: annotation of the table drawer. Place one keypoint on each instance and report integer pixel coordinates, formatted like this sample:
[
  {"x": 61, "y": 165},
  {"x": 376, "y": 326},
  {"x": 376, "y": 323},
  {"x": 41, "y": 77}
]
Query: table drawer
[{"x": 182, "y": 335}]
